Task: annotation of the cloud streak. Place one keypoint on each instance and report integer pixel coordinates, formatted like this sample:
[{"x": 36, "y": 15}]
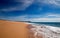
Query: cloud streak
[
  {"x": 21, "y": 5},
  {"x": 45, "y": 20},
  {"x": 50, "y": 2},
  {"x": 52, "y": 15},
  {"x": 36, "y": 18}
]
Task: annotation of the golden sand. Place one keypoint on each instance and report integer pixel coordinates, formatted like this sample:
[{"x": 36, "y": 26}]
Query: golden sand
[{"x": 10, "y": 29}]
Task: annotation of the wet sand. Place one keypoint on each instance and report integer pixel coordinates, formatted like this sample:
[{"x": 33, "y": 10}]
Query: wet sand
[{"x": 10, "y": 29}]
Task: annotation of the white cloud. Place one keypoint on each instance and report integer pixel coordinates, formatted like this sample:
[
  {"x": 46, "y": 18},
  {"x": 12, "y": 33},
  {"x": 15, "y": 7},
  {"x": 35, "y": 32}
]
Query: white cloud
[
  {"x": 36, "y": 18},
  {"x": 25, "y": 4},
  {"x": 52, "y": 15},
  {"x": 50, "y": 2},
  {"x": 45, "y": 19}
]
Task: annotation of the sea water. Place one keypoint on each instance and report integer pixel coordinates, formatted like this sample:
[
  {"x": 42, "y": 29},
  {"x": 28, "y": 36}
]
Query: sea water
[{"x": 55, "y": 24}]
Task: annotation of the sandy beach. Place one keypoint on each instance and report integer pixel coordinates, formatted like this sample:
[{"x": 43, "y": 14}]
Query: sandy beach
[
  {"x": 13, "y": 29},
  {"x": 10, "y": 29}
]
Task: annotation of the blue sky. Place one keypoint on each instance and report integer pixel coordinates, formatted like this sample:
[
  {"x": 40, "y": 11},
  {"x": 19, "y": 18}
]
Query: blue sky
[{"x": 30, "y": 10}]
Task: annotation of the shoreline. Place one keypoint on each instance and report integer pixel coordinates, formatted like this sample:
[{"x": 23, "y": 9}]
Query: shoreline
[{"x": 11, "y": 29}]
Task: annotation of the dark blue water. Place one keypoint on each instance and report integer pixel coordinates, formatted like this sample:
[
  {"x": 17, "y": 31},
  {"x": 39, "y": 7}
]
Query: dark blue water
[{"x": 56, "y": 24}]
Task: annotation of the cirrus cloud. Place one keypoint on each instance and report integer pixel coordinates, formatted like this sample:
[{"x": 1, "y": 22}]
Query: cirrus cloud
[
  {"x": 45, "y": 20},
  {"x": 21, "y": 5},
  {"x": 52, "y": 2}
]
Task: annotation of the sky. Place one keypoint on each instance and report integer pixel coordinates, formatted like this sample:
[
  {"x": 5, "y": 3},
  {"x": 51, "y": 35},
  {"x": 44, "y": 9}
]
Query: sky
[{"x": 30, "y": 10}]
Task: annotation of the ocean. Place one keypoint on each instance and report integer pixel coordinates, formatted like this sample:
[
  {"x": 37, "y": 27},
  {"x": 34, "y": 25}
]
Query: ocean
[
  {"x": 47, "y": 29},
  {"x": 55, "y": 24}
]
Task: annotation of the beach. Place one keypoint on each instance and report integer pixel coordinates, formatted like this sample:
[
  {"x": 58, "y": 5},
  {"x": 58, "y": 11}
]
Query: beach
[
  {"x": 11, "y": 29},
  {"x": 14, "y": 29}
]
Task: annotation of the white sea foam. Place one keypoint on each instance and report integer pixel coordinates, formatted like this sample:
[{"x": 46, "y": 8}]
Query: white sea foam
[{"x": 45, "y": 30}]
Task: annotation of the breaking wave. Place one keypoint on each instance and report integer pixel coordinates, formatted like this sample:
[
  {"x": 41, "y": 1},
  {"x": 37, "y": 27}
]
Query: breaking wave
[{"x": 45, "y": 30}]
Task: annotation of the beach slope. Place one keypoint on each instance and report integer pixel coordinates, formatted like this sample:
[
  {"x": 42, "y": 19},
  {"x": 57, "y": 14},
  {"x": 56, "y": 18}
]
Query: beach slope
[{"x": 10, "y": 29}]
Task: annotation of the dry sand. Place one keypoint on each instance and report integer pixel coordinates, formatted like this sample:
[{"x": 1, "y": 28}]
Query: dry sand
[{"x": 10, "y": 29}]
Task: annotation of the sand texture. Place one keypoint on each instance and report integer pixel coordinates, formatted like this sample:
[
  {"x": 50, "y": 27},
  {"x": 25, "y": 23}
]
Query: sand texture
[{"x": 10, "y": 29}]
